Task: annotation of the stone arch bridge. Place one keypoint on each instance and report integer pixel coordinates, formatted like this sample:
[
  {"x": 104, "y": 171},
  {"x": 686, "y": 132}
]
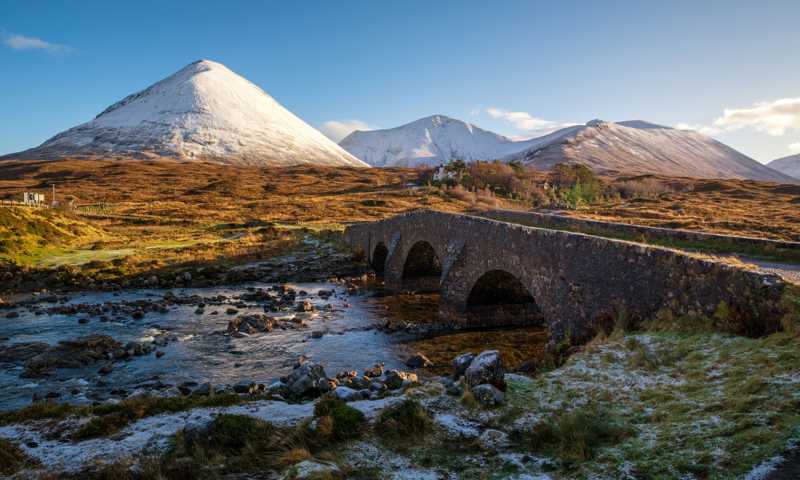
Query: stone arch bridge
[{"x": 492, "y": 273}]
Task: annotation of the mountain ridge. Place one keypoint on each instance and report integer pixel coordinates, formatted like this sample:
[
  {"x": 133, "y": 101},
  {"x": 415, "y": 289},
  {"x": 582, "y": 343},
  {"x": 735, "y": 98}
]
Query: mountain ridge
[
  {"x": 789, "y": 165},
  {"x": 627, "y": 147}
]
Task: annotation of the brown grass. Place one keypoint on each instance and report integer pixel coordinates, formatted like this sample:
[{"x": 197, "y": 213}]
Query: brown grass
[{"x": 734, "y": 207}]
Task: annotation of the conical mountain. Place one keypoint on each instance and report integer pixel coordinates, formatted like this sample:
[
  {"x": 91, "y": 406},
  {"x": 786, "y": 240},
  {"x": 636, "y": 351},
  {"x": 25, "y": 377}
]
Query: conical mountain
[
  {"x": 788, "y": 165},
  {"x": 202, "y": 112}
]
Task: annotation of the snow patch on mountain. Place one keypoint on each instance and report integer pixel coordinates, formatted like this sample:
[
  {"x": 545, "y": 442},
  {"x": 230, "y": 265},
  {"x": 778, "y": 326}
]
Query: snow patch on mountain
[
  {"x": 429, "y": 141},
  {"x": 202, "y": 112}
]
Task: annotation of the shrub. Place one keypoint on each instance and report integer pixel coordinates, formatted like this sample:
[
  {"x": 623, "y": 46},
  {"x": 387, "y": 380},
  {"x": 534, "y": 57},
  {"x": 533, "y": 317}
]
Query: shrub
[
  {"x": 347, "y": 422},
  {"x": 647, "y": 187},
  {"x": 577, "y": 435},
  {"x": 12, "y": 458},
  {"x": 407, "y": 420}
]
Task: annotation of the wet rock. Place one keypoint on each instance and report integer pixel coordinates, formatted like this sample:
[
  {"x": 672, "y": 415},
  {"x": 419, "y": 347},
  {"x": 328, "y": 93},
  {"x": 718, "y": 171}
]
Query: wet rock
[
  {"x": 398, "y": 378},
  {"x": 71, "y": 354},
  {"x": 317, "y": 334},
  {"x": 12, "y": 314},
  {"x": 418, "y": 360},
  {"x": 199, "y": 311},
  {"x": 304, "y": 306},
  {"x": 204, "y": 390},
  {"x": 486, "y": 368},
  {"x": 375, "y": 371},
  {"x": 83, "y": 321},
  {"x": 250, "y": 324},
  {"x": 359, "y": 383},
  {"x": 488, "y": 395},
  {"x": 231, "y": 311},
  {"x": 106, "y": 369},
  {"x": 249, "y": 388},
  {"x": 461, "y": 363},
  {"x": 137, "y": 315},
  {"x": 22, "y": 352},
  {"x": 159, "y": 354}
]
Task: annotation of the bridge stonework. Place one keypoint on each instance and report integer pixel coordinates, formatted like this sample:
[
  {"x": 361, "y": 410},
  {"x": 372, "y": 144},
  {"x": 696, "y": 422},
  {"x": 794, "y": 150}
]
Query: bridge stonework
[{"x": 578, "y": 282}]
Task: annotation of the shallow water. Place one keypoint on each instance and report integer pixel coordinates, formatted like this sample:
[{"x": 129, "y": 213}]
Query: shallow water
[{"x": 201, "y": 352}]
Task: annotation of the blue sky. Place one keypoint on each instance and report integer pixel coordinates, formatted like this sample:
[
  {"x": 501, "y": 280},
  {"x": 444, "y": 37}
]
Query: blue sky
[{"x": 521, "y": 68}]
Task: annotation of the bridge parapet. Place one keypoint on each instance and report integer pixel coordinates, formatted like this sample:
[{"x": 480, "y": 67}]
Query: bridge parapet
[{"x": 576, "y": 283}]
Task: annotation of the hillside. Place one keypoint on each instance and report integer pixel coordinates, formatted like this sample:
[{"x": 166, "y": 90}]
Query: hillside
[
  {"x": 787, "y": 165},
  {"x": 202, "y": 112},
  {"x": 636, "y": 147}
]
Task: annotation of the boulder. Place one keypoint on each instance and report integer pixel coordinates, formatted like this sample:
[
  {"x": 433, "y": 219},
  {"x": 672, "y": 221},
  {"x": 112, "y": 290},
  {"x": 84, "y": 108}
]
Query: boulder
[
  {"x": 304, "y": 380},
  {"x": 251, "y": 324},
  {"x": 486, "y": 368},
  {"x": 418, "y": 360},
  {"x": 461, "y": 363},
  {"x": 488, "y": 395}
]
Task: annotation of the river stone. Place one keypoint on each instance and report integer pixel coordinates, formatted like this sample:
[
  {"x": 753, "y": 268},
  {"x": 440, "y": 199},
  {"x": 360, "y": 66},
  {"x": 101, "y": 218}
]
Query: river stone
[
  {"x": 204, "y": 390},
  {"x": 305, "y": 306},
  {"x": 398, "y": 378},
  {"x": 246, "y": 387},
  {"x": 12, "y": 314},
  {"x": 418, "y": 360},
  {"x": 304, "y": 380},
  {"x": 347, "y": 394},
  {"x": 106, "y": 369},
  {"x": 312, "y": 469},
  {"x": 488, "y": 395},
  {"x": 486, "y": 368}
]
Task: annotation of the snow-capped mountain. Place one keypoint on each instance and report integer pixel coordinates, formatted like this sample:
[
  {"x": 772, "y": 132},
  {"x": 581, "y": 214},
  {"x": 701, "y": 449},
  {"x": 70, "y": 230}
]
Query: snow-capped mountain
[
  {"x": 636, "y": 146},
  {"x": 429, "y": 141},
  {"x": 788, "y": 165},
  {"x": 202, "y": 112}
]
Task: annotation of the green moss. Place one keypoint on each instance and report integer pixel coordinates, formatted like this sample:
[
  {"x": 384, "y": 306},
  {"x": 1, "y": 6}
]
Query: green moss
[{"x": 577, "y": 435}]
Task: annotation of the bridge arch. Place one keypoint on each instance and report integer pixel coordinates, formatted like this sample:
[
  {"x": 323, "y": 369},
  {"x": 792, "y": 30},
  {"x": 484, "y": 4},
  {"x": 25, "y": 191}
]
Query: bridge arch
[
  {"x": 422, "y": 268},
  {"x": 499, "y": 298},
  {"x": 378, "y": 259}
]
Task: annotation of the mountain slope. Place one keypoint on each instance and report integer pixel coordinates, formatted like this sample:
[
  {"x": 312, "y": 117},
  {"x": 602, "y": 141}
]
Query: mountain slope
[
  {"x": 639, "y": 147},
  {"x": 787, "y": 165},
  {"x": 429, "y": 141},
  {"x": 202, "y": 112}
]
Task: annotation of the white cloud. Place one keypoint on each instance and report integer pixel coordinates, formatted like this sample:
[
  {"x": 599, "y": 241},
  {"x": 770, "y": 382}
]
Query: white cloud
[
  {"x": 795, "y": 147},
  {"x": 524, "y": 121},
  {"x": 21, "y": 42},
  {"x": 773, "y": 118},
  {"x": 704, "y": 129},
  {"x": 338, "y": 129}
]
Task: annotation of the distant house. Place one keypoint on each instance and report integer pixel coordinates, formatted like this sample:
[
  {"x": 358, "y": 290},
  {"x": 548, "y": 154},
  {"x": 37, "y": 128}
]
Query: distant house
[{"x": 33, "y": 198}]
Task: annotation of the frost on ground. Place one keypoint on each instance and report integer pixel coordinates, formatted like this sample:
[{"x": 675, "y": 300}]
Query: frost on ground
[{"x": 681, "y": 406}]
